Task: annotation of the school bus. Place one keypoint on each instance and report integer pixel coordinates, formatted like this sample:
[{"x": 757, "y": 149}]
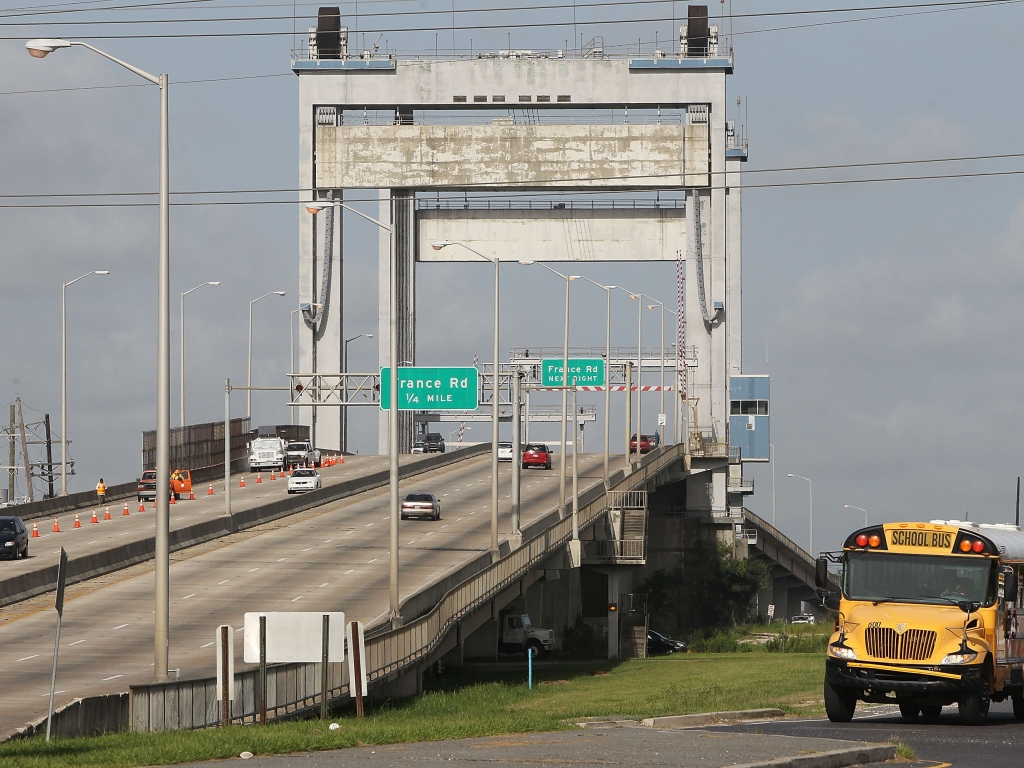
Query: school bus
[{"x": 927, "y": 618}]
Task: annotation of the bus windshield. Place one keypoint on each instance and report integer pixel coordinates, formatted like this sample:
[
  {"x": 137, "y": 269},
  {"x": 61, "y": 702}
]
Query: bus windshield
[{"x": 880, "y": 576}]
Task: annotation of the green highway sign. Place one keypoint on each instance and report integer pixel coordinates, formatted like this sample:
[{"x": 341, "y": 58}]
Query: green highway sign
[
  {"x": 583, "y": 372},
  {"x": 432, "y": 389}
]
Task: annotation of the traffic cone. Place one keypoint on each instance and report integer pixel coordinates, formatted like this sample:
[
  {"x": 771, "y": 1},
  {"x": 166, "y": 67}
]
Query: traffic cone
[
  {"x": 56, "y": 526},
  {"x": 78, "y": 523},
  {"x": 191, "y": 496},
  {"x": 272, "y": 475},
  {"x": 242, "y": 483},
  {"x": 106, "y": 515},
  {"x": 95, "y": 520},
  {"x": 341, "y": 458},
  {"x": 142, "y": 508},
  {"x": 172, "y": 499},
  {"x": 210, "y": 491},
  {"x": 258, "y": 478},
  {"x": 35, "y": 531}
]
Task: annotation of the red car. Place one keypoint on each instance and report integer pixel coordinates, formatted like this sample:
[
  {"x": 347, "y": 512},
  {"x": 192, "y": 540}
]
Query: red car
[
  {"x": 646, "y": 443},
  {"x": 536, "y": 455}
]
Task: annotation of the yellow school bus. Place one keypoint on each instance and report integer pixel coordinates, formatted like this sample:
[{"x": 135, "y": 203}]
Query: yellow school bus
[{"x": 927, "y": 618}]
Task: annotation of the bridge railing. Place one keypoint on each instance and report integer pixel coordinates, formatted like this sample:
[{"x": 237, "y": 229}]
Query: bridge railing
[{"x": 185, "y": 704}]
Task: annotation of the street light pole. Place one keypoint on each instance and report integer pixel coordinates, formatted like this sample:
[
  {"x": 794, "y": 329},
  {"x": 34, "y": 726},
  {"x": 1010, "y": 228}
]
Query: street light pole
[
  {"x": 248, "y": 392},
  {"x": 181, "y": 367},
  {"x": 662, "y": 411},
  {"x": 565, "y": 380},
  {"x": 495, "y": 423},
  {"x": 851, "y": 506},
  {"x": 810, "y": 491},
  {"x": 344, "y": 408},
  {"x": 639, "y": 297},
  {"x": 291, "y": 358},
  {"x": 39, "y": 48},
  {"x": 607, "y": 372},
  {"x": 64, "y": 380}
]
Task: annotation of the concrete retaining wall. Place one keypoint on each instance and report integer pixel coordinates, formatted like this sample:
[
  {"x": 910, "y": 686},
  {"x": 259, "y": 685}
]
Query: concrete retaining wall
[
  {"x": 89, "y": 566},
  {"x": 92, "y": 716}
]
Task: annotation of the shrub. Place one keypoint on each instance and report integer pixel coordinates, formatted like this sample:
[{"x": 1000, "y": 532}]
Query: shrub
[{"x": 583, "y": 641}]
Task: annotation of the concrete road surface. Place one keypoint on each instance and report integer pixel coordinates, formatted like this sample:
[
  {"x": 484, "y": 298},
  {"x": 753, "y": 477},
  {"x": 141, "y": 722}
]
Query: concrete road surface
[
  {"x": 334, "y": 561},
  {"x": 625, "y": 747},
  {"x": 943, "y": 743}
]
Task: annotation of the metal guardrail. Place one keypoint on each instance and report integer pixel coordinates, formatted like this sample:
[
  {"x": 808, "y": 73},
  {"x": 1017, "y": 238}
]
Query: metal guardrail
[
  {"x": 627, "y": 499},
  {"x": 741, "y": 484},
  {"x": 616, "y": 550},
  {"x": 183, "y": 704}
]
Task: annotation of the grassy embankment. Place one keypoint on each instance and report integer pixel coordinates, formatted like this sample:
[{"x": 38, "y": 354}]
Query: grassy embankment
[{"x": 481, "y": 705}]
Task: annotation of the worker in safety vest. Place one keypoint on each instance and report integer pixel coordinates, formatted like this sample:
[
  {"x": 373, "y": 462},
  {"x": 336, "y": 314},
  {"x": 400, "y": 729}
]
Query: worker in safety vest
[{"x": 101, "y": 491}]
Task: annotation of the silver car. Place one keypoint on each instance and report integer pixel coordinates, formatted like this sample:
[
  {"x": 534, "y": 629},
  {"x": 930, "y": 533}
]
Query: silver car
[
  {"x": 421, "y": 505},
  {"x": 304, "y": 480}
]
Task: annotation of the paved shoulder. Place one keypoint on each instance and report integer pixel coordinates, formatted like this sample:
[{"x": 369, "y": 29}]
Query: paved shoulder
[{"x": 578, "y": 749}]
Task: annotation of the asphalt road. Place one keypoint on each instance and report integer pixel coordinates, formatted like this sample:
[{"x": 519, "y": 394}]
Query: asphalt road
[
  {"x": 122, "y": 528},
  {"x": 334, "y": 561},
  {"x": 944, "y": 743}
]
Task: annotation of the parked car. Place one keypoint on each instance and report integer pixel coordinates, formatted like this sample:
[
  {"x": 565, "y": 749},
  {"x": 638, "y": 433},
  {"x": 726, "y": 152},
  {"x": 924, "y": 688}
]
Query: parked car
[
  {"x": 433, "y": 443},
  {"x": 801, "y": 618},
  {"x": 504, "y": 451},
  {"x": 417, "y": 447},
  {"x": 421, "y": 505},
  {"x": 658, "y": 643},
  {"x": 13, "y": 538},
  {"x": 646, "y": 443},
  {"x": 536, "y": 455},
  {"x": 304, "y": 480}
]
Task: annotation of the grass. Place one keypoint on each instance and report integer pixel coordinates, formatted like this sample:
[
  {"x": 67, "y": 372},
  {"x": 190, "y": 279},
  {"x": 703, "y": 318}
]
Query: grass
[
  {"x": 460, "y": 706},
  {"x": 904, "y": 751}
]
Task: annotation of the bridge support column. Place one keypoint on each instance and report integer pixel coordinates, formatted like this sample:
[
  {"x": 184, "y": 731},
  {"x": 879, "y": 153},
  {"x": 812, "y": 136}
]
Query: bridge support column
[
  {"x": 397, "y": 206},
  {"x": 613, "y": 616}
]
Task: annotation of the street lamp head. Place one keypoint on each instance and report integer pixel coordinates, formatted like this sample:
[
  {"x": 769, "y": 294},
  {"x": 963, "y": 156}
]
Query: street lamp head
[
  {"x": 40, "y": 47},
  {"x": 279, "y": 293},
  {"x": 215, "y": 282},
  {"x": 652, "y": 306},
  {"x": 525, "y": 262},
  {"x": 369, "y": 335},
  {"x": 315, "y": 208},
  {"x": 790, "y": 475},
  {"x": 574, "y": 277},
  {"x": 610, "y": 287},
  {"x": 437, "y": 245},
  {"x": 102, "y": 272}
]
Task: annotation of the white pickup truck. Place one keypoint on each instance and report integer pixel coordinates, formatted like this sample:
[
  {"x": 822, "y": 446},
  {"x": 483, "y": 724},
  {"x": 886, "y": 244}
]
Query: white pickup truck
[
  {"x": 299, "y": 453},
  {"x": 266, "y": 453},
  {"x": 518, "y": 635}
]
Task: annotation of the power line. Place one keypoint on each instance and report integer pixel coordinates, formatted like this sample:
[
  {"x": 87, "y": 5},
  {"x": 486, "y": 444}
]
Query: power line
[{"x": 144, "y": 85}]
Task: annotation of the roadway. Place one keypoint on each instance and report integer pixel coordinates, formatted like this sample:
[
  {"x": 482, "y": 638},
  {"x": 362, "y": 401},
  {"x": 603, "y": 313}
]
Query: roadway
[
  {"x": 333, "y": 561},
  {"x": 941, "y": 743}
]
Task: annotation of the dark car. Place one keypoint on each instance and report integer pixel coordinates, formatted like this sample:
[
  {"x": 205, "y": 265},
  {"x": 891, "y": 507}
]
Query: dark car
[
  {"x": 421, "y": 505},
  {"x": 658, "y": 643},
  {"x": 13, "y": 538},
  {"x": 433, "y": 443},
  {"x": 536, "y": 455}
]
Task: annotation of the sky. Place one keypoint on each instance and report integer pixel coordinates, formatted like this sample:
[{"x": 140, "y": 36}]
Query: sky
[{"x": 887, "y": 313}]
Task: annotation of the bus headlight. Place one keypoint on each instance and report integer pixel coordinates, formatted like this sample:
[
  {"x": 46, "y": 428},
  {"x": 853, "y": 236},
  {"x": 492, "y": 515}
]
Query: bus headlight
[
  {"x": 960, "y": 658},
  {"x": 841, "y": 651}
]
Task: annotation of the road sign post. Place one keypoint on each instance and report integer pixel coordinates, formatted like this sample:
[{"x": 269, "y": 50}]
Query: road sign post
[
  {"x": 435, "y": 389},
  {"x": 583, "y": 372},
  {"x": 226, "y": 671},
  {"x": 62, "y": 577},
  {"x": 356, "y": 640}
]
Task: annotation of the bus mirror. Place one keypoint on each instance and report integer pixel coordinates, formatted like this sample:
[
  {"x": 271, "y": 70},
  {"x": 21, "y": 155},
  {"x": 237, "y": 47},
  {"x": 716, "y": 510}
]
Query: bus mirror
[
  {"x": 821, "y": 573},
  {"x": 968, "y": 606},
  {"x": 1010, "y": 586}
]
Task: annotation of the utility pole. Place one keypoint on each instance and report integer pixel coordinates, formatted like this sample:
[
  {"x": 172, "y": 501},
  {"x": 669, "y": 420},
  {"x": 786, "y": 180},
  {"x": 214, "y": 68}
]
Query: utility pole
[
  {"x": 49, "y": 456},
  {"x": 10, "y": 464},
  {"x": 24, "y": 452}
]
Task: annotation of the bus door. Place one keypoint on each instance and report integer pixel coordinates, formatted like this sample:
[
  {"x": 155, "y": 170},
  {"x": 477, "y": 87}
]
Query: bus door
[{"x": 1010, "y": 634}]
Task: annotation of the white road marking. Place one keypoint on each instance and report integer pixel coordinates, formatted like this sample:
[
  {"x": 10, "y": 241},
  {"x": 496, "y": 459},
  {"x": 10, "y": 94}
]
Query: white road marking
[
  {"x": 307, "y": 549},
  {"x": 328, "y": 541},
  {"x": 369, "y": 524},
  {"x": 208, "y": 644},
  {"x": 349, "y": 533},
  {"x": 410, "y": 542},
  {"x": 348, "y": 572},
  {"x": 297, "y": 598},
  {"x": 429, "y": 534},
  {"x": 443, "y": 526},
  {"x": 371, "y": 561},
  {"x": 112, "y": 677},
  {"x": 120, "y": 626},
  {"x": 186, "y": 597},
  {"x": 76, "y": 642},
  {"x": 281, "y": 559},
  {"x": 458, "y": 520},
  {"x": 223, "y": 582},
  {"x": 29, "y": 657},
  {"x": 253, "y": 569},
  {"x": 322, "y": 585},
  {"x": 93, "y": 542},
  {"x": 54, "y": 693}
]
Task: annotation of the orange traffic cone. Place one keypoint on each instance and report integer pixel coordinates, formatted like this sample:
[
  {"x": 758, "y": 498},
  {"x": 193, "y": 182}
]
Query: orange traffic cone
[
  {"x": 142, "y": 508},
  {"x": 258, "y": 478},
  {"x": 154, "y": 505},
  {"x": 56, "y": 526},
  {"x": 106, "y": 515},
  {"x": 191, "y": 496},
  {"x": 78, "y": 523},
  {"x": 273, "y": 476},
  {"x": 172, "y": 499},
  {"x": 95, "y": 520},
  {"x": 341, "y": 458},
  {"x": 242, "y": 484},
  {"x": 210, "y": 491},
  {"x": 35, "y": 531}
]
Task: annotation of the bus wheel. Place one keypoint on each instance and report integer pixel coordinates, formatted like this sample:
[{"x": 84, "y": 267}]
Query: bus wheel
[
  {"x": 931, "y": 712},
  {"x": 840, "y": 703},
  {"x": 973, "y": 709},
  {"x": 909, "y": 711},
  {"x": 1018, "y": 708}
]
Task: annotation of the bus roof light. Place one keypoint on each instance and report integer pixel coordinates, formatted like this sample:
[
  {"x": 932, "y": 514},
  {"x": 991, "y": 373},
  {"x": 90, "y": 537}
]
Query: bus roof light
[
  {"x": 862, "y": 540},
  {"x": 874, "y": 541},
  {"x": 965, "y": 545},
  {"x": 978, "y": 546}
]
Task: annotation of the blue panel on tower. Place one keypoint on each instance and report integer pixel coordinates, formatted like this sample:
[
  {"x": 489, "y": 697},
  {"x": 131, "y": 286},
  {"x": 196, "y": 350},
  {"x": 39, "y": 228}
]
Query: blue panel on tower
[{"x": 750, "y": 416}]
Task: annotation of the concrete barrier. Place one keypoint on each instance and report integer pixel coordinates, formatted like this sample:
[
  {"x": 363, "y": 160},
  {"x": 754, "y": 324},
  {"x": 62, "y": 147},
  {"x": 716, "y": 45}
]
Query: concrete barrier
[{"x": 86, "y": 567}]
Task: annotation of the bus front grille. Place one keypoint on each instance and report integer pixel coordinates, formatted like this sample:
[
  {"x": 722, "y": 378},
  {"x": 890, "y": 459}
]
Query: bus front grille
[{"x": 912, "y": 645}]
